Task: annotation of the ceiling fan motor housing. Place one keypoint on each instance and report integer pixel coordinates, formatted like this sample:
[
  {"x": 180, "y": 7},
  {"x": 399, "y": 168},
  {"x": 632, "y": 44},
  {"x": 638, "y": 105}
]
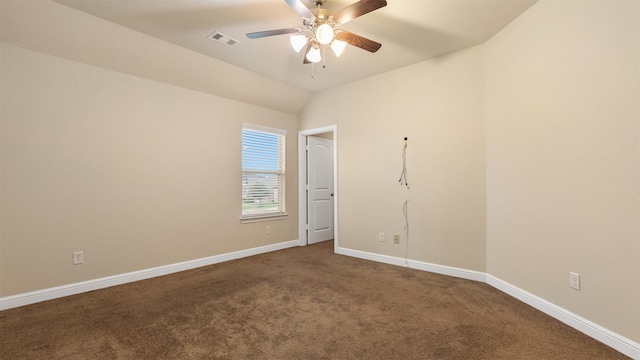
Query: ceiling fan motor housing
[{"x": 323, "y": 16}]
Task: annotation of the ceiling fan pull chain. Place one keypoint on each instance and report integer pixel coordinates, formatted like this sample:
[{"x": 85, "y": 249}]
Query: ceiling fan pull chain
[
  {"x": 312, "y": 75},
  {"x": 323, "y": 57}
]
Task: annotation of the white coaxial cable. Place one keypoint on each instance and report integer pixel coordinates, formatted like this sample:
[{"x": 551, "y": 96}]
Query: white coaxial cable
[
  {"x": 403, "y": 176},
  {"x": 405, "y": 211}
]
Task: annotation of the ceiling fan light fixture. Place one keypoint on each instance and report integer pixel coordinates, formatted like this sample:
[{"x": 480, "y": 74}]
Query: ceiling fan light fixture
[
  {"x": 317, "y": 28},
  {"x": 324, "y": 34},
  {"x": 298, "y": 41},
  {"x": 314, "y": 54},
  {"x": 338, "y": 46}
]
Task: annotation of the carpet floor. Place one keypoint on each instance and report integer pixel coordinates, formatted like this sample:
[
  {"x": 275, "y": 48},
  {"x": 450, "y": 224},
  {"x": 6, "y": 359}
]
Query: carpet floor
[{"x": 298, "y": 303}]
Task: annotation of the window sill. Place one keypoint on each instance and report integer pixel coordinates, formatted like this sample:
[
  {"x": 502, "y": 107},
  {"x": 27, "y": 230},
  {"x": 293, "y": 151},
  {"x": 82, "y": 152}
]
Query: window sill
[{"x": 258, "y": 218}]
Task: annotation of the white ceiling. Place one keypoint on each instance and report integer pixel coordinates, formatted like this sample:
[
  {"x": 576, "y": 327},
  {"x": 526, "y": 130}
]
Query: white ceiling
[{"x": 410, "y": 31}]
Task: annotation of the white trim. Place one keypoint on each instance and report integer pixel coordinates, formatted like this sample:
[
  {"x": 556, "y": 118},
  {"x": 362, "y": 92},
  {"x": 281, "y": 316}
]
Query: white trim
[
  {"x": 414, "y": 264},
  {"x": 447, "y": 270},
  {"x": 264, "y": 129},
  {"x": 33, "y": 297},
  {"x": 258, "y": 218},
  {"x": 607, "y": 337},
  {"x": 320, "y": 130},
  {"x": 302, "y": 171},
  {"x": 616, "y": 341},
  {"x": 302, "y": 188},
  {"x": 385, "y": 259}
]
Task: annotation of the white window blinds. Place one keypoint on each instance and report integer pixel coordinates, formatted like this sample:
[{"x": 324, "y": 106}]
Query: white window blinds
[{"x": 263, "y": 171}]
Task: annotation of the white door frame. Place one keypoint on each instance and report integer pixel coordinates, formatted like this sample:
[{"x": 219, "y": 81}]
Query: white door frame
[{"x": 302, "y": 177}]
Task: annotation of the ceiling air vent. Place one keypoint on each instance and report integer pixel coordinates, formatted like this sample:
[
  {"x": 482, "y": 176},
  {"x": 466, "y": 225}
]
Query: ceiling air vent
[{"x": 223, "y": 39}]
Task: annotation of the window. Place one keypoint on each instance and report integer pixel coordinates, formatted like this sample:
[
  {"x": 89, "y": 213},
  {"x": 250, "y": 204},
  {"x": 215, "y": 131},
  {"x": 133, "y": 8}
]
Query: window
[{"x": 263, "y": 172}]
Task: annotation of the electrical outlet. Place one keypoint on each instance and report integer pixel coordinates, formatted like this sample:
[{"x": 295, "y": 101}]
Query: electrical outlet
[
  {"x": 574, "y": 280},
  {"x": 396, "y": 239},
  {"x": 78, "y": 257},
  {"x": 268, "y": 230},
  {"x": 382, "y": 236}
]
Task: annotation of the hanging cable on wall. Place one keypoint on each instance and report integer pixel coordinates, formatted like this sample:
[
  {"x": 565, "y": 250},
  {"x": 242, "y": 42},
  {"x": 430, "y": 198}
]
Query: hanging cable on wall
[
  {"x": 405, "y": 207},
  {"x": 403, "y": 177},
  {"x": 405, "y": 211}
]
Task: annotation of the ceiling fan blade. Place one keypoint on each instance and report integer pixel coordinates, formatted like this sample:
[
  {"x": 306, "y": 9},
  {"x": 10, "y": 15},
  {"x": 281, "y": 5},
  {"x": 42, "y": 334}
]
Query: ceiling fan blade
[
  {"x": 299, "y": 8},
  {"x": 261, "y": 34},
  {"x": 358, "y": 41},
  {"x": 357, "y": 9}
]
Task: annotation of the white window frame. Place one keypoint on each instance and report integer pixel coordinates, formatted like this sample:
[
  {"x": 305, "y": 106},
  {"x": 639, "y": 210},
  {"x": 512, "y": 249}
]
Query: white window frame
[{"x": 280, "y": 196}]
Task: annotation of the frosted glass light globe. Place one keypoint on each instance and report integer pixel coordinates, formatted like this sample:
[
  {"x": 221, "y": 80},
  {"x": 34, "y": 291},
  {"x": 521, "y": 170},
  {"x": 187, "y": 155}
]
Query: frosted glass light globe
[
  {"x": 314, "y": 55},
  {"x": 298, "y": 42},
  {"x": 324, "y": 34},
  {"x": 338, "y": 47}
]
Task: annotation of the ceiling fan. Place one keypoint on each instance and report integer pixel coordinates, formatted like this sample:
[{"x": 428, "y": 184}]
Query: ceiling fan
[{"x": 319, "y": 27}]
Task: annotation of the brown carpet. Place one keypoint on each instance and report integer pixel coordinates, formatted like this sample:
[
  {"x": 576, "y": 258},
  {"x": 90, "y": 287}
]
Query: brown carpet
[{"x": 299, "y": 303}]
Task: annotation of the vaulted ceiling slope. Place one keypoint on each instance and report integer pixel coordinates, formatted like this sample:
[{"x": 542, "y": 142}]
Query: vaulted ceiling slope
[
  {"x": 410, "y": 31},
  {"x": 266, "y": 72},
  {"x": 55, "y": 29}
]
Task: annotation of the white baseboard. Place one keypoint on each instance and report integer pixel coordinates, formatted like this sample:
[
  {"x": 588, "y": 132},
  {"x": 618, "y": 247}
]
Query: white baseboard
[
  {"x": 616, "y": 341},
  {"x": 371, "y": 256},
  {"x": 10, "y": 302},
  {"x": 448, "y": 270},
  {"x": 413, "y": 264}
]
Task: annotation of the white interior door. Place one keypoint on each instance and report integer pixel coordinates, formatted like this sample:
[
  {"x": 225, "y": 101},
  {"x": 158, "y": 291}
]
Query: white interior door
[{"x": 320, "y": 185}]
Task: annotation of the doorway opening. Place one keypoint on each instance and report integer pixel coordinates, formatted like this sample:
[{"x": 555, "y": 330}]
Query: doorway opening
[{"x": 317, "y": 185}]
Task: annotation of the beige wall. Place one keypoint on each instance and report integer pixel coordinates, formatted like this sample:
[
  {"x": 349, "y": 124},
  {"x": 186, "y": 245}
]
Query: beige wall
[
  {"x": 556, "y": 93},
  {"x": 563, "y": 157},
  {"x": 1, "y": 72},
  {"x": 543, "y": 121},
  {"x": 438, "y": 106},
  {"x": 134, "y": 172},
  {"x": 55, "y": 29}
]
